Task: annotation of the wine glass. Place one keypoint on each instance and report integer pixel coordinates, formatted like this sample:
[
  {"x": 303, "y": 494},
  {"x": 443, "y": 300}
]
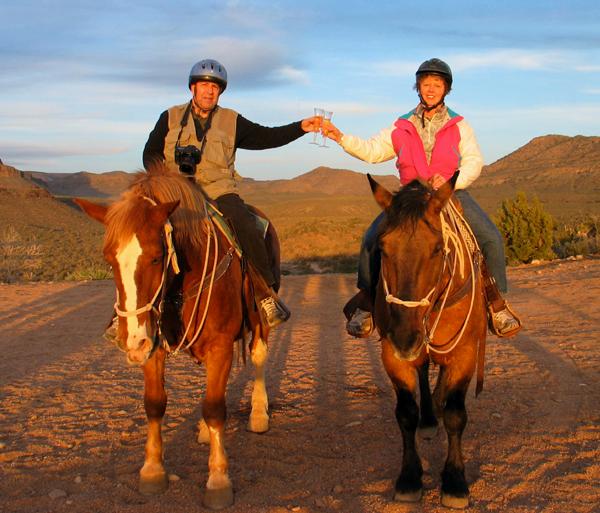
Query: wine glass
[
  {"x": 318, "y": 113},
  {"x": 327, "y": 115}
]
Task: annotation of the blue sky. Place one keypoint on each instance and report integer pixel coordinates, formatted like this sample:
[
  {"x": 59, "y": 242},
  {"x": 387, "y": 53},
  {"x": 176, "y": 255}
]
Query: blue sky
[{"x": 83, "y": 82}]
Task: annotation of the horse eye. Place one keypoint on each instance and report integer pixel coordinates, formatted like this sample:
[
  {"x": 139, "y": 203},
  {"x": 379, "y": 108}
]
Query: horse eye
[{"x": 155, "y": 261}]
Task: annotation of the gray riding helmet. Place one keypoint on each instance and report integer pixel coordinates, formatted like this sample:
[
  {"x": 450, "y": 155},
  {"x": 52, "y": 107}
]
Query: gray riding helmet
[{"x": 208, "y": 70}]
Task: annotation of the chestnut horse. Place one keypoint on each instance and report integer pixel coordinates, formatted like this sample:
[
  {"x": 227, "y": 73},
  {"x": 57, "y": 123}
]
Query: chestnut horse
[
  {"x": 429, "y": 307},
  {"x": 181, "y": 291}
]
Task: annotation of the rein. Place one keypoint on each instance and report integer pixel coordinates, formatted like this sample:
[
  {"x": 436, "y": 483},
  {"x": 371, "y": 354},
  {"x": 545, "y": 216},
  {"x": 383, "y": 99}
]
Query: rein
[
  {"x": 213, "y": 232},
  {"x": 457, "y": 235}
]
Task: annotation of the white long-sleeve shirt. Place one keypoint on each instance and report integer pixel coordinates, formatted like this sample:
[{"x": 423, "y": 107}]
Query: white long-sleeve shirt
[{"x": 379, "y": 148}]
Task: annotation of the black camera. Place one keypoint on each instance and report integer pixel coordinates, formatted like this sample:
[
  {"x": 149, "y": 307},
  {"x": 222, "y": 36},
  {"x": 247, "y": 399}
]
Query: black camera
[{"x": 187, "y": 158}]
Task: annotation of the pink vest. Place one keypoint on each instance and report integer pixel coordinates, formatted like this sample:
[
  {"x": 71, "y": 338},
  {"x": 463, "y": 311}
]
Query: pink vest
[{"x": 412, "y": 161}]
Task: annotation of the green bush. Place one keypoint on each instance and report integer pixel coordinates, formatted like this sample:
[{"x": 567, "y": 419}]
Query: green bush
[
  {"x": 527, "y": 229},
  {"x": 579, "y": 238}
]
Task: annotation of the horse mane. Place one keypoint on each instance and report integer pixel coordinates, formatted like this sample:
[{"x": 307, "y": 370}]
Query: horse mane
[
  {"x": 408, "y": 205},
  {"x": 161, "y": 185}
]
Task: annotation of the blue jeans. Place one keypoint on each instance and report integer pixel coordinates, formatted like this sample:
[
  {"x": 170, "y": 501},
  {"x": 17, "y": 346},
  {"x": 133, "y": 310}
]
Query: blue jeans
[{"x": 487, "y": 235}]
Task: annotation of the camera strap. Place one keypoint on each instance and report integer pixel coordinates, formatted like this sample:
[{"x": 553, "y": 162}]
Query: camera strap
[{"x": 184, "y": 122}]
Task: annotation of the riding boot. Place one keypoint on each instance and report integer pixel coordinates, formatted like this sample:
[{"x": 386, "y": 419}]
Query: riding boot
[
  {"x": 358, "y": 313},
  {"x": 502, "y": 320},
  {"x": 272, "y": 310}
]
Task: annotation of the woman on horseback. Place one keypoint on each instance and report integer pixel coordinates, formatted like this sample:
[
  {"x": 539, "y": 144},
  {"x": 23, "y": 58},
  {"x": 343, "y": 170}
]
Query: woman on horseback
[{"x": 430, "y": 143}]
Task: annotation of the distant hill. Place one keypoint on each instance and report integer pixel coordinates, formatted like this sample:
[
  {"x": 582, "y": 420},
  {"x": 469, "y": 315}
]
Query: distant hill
[
  {"x": 319, "y": 215},
  {"x": 321, "y": 180},
  {"x": 83, "y": 184},
  {"x": 564, "y": 172},
  {"x": 41, "y": 237}
]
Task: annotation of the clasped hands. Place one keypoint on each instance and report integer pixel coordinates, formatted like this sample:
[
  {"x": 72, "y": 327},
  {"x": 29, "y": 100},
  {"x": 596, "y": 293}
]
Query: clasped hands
[{"x": 325, "y": 126}]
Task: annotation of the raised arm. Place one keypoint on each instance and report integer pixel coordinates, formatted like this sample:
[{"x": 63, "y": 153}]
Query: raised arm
[{"x": 376, "y": 149}]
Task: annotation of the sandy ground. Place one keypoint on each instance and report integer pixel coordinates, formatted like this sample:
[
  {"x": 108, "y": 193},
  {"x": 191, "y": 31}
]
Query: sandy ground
[{"x": 72, "y": 424}]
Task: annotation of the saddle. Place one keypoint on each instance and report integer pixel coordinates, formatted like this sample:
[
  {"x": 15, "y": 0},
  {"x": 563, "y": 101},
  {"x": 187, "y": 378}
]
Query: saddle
[{"x": 220, "y": 221}]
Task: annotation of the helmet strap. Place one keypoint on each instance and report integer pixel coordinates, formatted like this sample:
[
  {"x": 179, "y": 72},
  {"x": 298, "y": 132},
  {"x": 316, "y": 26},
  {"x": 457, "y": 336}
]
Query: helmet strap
[{"x": 428, "y": 108}]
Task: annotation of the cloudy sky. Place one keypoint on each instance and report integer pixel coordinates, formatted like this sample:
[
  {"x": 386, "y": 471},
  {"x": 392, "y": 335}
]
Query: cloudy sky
[{"x": 82, "y": 82}]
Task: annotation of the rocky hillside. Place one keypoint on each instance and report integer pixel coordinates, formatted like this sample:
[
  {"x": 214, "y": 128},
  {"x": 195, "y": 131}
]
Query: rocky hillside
[
  {"x": 564, "y": 172},
  {"x": 42, "y": 237}
]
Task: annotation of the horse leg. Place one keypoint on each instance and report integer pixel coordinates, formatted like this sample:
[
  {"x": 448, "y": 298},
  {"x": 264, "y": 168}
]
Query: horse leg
[
  {"x": 153, "y": 478},
  {"x": 203, "y": 433},
  {"x": 428, "y": 422},
  {"x": 219, "y": 491},
  {"x": 259, "y": 416},
  {"x": 409, "y": 485},
  {"x": 455, "y": 491}
]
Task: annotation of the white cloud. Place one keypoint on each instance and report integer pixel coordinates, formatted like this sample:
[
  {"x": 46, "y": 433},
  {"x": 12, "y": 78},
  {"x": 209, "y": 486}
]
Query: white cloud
[
  {"x": 517, "y": 59},
  {"x": 291, "y": 74},
  {"x": 587, "y": 68},
  {"x": 512, "y": 59}
]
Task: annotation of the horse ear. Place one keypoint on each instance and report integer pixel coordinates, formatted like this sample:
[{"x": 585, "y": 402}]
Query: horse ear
[
  {"x": 443, "y": 194},
  {"x": 95, "y": 211},
  {"x": 382, "y": 196},
  {"x": 164, "y": 210}
]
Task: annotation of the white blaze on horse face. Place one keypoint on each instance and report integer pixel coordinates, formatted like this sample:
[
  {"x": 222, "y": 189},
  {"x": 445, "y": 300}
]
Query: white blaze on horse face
[{"x": 127, "y": 257}]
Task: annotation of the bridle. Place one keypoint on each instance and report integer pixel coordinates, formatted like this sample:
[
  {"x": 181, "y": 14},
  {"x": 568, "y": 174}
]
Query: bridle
[
  {"x": 169, "y": 260},
  {"x": 456, "y": 234}
]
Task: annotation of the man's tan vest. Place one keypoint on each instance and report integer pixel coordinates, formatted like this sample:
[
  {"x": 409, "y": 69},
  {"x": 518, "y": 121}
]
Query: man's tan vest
[{"x": 216, "y": 171}]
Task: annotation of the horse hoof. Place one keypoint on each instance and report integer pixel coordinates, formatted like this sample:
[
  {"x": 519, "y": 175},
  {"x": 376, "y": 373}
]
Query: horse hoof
[
  {"x": 451, "y": 501},
  {"x": 154, "y": 484},
  {"x": 408, "y": 496},
  {"x": 429, "y": 432},
  {"x": 218, "y": 498},
  {"x": 258, "y": 423}
]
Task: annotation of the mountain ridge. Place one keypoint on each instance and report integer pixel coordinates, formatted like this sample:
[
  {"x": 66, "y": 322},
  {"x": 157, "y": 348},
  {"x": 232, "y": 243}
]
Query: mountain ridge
[{"x": 319, "y": 214}]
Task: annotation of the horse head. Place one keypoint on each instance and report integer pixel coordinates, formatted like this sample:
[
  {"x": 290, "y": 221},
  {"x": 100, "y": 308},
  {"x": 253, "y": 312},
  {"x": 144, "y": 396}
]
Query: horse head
[
  {"x": 412, "y": 260},
  {"x": 138, "y": 248}
]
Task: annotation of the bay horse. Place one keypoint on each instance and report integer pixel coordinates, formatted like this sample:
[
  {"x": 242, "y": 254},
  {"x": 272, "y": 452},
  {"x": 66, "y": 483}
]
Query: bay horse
[
  {"x": 429, "y": 307},
  {"x": 182, "y": 290}
]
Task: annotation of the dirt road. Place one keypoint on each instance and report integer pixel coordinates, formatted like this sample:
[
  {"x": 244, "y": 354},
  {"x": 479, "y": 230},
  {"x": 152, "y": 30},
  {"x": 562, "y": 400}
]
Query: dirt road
[{"x": 72, "y": 424}]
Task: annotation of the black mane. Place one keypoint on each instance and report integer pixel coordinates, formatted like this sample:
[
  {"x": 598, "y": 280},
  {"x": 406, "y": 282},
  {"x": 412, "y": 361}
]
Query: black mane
[{"x": 409, "y": 204}]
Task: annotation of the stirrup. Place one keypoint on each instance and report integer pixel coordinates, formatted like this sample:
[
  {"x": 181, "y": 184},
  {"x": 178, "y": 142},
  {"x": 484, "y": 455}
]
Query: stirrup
[
  {"x": 273, "y": 311},
  {"x": 360, "y": 324},
  {"x": 504, "y": 323}
]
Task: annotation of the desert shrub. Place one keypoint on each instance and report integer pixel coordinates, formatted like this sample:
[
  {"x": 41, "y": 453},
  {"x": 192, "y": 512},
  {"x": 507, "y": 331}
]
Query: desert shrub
[
  {"x": 527, "y": 229},
  {"x": 90, "y": 273},
  {"x": 579, "y": 238},
  {"x": 19, "y": 259}
]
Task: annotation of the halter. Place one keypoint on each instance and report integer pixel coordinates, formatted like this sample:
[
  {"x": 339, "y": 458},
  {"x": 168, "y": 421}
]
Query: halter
[{"x": 458, "y": 234}]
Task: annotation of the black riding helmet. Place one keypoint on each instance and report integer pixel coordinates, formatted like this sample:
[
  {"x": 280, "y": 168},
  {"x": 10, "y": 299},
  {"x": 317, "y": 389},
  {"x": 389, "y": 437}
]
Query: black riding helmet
[{"x": 434, "y": 67}]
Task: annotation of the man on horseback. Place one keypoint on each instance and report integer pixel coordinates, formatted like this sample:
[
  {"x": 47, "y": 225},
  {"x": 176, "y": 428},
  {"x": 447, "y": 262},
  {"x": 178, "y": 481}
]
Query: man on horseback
[
  {"x": 200, "y": 139},
  {"x": 430, "y": 143}
]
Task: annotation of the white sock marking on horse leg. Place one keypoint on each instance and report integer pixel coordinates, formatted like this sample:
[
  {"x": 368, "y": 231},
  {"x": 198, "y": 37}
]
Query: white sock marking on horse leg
[
  {"x": 217, "y": 461},
  {"x": 260, "y": 401}
]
